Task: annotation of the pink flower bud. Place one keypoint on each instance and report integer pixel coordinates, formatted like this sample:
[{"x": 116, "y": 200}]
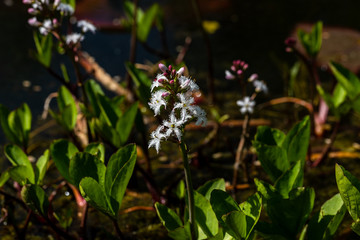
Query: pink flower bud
[
  {"x": 173, "y": 72},
  {"x": 32, "y": 11},
  {"x": 170, "y": 68},
  {"x": 253, "y": 77},
  {"x": 239, "y": 72},
  {"x": 233, "y": 68},
  {"x": 171, "y": 82},
  {"x": 160, "y": 80},
  {"x": 27, "y": 1},
  {"x": 245, "y": 66},
  {"x": 162, "y": 67},
  {"x": 180, "y": 71},
  {"x": 166, "y": 74},
  {"x": 55, "y": 22},
  {"x": 238, "y": 62},
  {"x": 165, "y": 94},
  {"x": 290, "y": 41}
]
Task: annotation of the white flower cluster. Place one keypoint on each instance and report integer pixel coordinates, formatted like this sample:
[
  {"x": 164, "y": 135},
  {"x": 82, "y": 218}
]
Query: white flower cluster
[
  {"x": 49, "y": 11},
  {"x": 173, "y": 92}
]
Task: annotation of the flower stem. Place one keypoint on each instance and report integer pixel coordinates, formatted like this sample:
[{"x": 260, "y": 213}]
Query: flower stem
[{"x": 189, "y": 188}]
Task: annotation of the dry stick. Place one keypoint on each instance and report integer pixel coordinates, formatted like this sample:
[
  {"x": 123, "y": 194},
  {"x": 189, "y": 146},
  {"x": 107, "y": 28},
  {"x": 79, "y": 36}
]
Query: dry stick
[
  {"x": 327, "y": 148},
  {"x": 239, "y": 153},
  {"x": 210, "y": 81},
  {"x": 137, "y": 208}
]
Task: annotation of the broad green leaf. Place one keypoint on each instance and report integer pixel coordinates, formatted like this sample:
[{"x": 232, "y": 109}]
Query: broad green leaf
[
  {"x": 97, "y": 149},
  {"x": 180, "y": 190},
  {"x": 168, "y": 217},
  {"x": 348, "y": 80},
  {"x": 339, "y": 95},
  {"x": 125, "y": 123},
  {"x": 86, "y": 165},
  {"x": 240, "y": 224},
  {"x": 22, "y": 174},
  {"x": 292, "y": 178},
  {"x": 181, "y": 233},
  {"x": 211, "y": 185},
  {"x": 273, "y": 160},
  {"x": 141, "y": 81},
  {"x": 290, "y": 214},
  {"x": 266, "y": 190},
  {"x": 64, "y": 72},
  {"x": 16, "y": 156},
  {"x": 269, "y": 136},
  {"x": 41, "y": 166},
  {"x": 252, "y": 206},
  {"x": 35, "y": 197},
  {"x": 325, "y": 222},
  {"x": 108, "y": 133},
  {"x": 297, "y": 140},
  {"x": 61, "y": 151},
  {"x": 348, "y": 187},
  {"x": 92, "y": 90},
  {"x": 119, "y": 171},
  {"x": 312, "y": 41},
  {"x": 43, "y": 46},
  {"x": 94, "y": 193},
  {"x": 109, "y": 112},
  {"x": 4, "y": 113},
  {"x": 19, "y": 122},
  {"x": 4, "y": 177},
  {"x": 355, "y": 226},
  {"x": 222, "y": 203},
  {"x": 146, "y": 22},
  {"x": 205, "y": 216},
  {"x": 67, "y": 108}
]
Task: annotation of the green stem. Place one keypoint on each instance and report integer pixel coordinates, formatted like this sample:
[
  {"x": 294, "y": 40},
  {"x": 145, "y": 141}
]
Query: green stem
[{"x": 189, "y": 188}]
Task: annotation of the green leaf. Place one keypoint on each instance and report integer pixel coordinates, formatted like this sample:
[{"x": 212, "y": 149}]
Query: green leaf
[
  {"x": 4, "y": 177},
  {"x": 119, "y": 171},
  {"x": 349, "y": 81},
  {"x": 141, "y": 81},
  {"x": 222, "y": 203},
  {"x": 290, "y": 214},
  {"x": 168, "y": 217},
  {"x": 297, "y": 140},
  {"x": 108, "y": 133},
  {"x": 94, "y": 193},
  {"x": 97, "y": 149},
  {"x": 252, "y": 206},
  {"x": 325, "y": 222},
  {"x": 146, "y": 22},
  {"x": 110, "y": 113},
  {"x": 269, "y": 136},
  {"x": 181, "y": 233},
  {"x": 12, "y": 137},
  {"x": 273, "y": 160},
  {"x": 126, "y": 122},
  {"x": 64, "y": 72},
  {"x": 312, "y": 41},
  {"x": 67, "y": 108},
  {"x": 22, "y": 174},
  {"x": 35, "y": 197},
  {"x": 291, "y": 179},
  {"x": 93, "y": 89},
  {"x": 19, "y": 123},
  {"x": 43, "y": 46},
  {"x": 205, "y": 216},
  {"x": 355, "y": 226},
  {"x": 339, "y": 95},
  {"x": 180, "y": 190},
  {"x": 349, "y": 187},
  {"x": 266, "y": 190},
  {"x": 61, "y": 151},
  {"x": 16, "y": 156},
  {"x": 211, "y": 185},
  {"x": 86, "y": 165},
  {"x": 41, "y": 167}
]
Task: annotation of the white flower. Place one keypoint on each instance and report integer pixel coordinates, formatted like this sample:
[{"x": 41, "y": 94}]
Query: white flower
[
  {"x": 34, "y": 22},
  {"x": 247, "y": 105},
  {"x": 200, "y": 116},
  {"x": 157, "y": 101},
  {"x": 65, "y": 9},
  {"x": 156, "y": 136},
  {"x": 229, "y": 75},
  {"x": 86, "y": 26},
  {"x": 187, "y": 83},
  {"x": 260, "y": 86},
  {"x": 253, "y": 77},
  {"x": 173, "y": 126},
  {"x": 74, "y": 38},
  {"x": 46, "y": 27},
  {"x": 158, "y": 81},
  {"x": 185, "y": 105}
]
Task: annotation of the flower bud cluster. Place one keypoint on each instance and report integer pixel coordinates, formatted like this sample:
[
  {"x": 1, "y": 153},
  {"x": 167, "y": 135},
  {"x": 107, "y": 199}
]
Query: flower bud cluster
[
  {"x": 48, "y": 16},
  {"x": 237, "y": 69},
  {"x": 172, "y": 92}
]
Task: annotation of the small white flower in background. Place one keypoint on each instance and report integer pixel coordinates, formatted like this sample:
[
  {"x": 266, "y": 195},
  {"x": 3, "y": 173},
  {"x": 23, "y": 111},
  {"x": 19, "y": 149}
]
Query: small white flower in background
[
  {"x": 34, "y": 22},
  {"x": 260, "y": 86},
  {"x": 65, "y": 9},
  {"x": 188, "y": 84},
  {"x": 253, "y": 77},
  {"x": 200, "y": 116},
  {"x": 185, "y": 105},
  {"x": 229, "y": 75},
  {"x": 156, "y": 137},
  {"x": 173, "y": 126},
  {"x": 46, "y": 27},
  {"x": 157, "y": 101},
  {"x": 86, "y": 26},
  {"x": 247, "y": 105},
  {"x": 74, "y": 38}
]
